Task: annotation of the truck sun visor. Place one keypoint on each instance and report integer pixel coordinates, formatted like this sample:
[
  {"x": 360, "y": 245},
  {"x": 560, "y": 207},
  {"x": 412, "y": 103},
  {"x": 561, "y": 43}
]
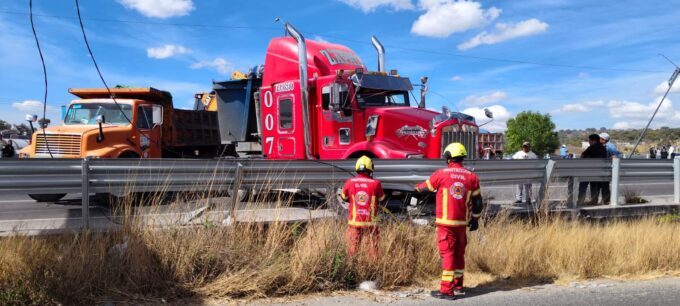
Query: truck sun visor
[{"x": 375, "y": 81}]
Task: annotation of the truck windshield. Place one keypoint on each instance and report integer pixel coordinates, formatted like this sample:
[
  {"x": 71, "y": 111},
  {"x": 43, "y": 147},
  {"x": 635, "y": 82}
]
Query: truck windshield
[
  {"x": 86, "y": 113},
  {"x": 376, "y": 97}
]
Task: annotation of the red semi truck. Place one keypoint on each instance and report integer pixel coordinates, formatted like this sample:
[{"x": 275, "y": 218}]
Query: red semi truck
[{"x": 316, "y": 100}]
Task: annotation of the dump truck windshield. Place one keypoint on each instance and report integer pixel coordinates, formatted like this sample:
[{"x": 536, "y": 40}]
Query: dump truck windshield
[
  {"x": 376, "y": 97},
  {"x": 86, "y": 113}
]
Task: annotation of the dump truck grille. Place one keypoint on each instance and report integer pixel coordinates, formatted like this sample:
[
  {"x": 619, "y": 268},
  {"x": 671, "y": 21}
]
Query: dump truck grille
[
  {"x": 59, "y": 144},
  {"x": 465, "y": 134}
]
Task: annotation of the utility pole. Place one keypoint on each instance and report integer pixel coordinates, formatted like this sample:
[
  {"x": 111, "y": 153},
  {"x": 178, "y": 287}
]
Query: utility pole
[{"x": 670, "y": 85}]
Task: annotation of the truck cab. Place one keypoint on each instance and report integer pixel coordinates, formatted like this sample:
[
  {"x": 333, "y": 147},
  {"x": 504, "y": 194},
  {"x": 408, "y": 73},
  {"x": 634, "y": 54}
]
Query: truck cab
[
  {"x": 138, "y": 122},
  {"x": 317, "y": 100}
]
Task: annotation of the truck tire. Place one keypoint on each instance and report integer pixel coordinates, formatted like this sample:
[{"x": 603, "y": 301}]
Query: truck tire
[{"x": 47, "y": 197}]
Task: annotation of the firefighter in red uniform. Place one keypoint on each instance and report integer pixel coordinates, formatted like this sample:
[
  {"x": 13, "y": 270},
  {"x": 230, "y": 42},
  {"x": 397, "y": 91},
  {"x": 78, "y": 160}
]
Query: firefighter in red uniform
[
  {"x": 459, "y": 205},
  {"x": 364, "y": 194}
]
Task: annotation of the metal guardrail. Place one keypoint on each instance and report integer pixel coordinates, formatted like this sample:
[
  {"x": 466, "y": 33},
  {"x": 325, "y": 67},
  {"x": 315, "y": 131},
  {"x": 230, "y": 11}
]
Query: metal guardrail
[{"x": 121, "y": 176}]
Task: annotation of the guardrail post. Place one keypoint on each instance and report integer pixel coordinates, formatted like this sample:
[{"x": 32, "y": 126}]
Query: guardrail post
[
  {"x": 542, "y": 193},
  {"x": 85, "y": 190},
  {"x": 614, "y": 199},
  {"x": 238, "y": 176},
  {"x": 676, "y": 180}
]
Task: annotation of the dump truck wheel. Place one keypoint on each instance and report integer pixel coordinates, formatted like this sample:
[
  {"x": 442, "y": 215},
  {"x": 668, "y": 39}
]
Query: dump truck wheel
[{"x": 47, "y": 197}]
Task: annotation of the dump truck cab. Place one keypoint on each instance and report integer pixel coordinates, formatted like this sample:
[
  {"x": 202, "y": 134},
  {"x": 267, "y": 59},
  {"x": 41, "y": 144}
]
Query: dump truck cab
[{"x": 139, "y": 122}]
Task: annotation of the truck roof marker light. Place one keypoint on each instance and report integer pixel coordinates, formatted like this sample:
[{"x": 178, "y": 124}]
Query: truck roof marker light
[{"x": 394, "y": 72}]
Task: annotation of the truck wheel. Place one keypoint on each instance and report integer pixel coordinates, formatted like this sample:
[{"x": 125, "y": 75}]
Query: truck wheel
[{"x": 47, "y": 197}]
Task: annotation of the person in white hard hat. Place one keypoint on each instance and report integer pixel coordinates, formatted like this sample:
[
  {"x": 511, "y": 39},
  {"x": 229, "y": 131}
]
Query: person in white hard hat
[{"x": 612, "y": 152}]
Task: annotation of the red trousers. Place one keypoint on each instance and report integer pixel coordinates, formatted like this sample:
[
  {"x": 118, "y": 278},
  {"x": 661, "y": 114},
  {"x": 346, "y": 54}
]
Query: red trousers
[
  {"x": 367, "y": 235},
  {"x": 451, "y": 242}
]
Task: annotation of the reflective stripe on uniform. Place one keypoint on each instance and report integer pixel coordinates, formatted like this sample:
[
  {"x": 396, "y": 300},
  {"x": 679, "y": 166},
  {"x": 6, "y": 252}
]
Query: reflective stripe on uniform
[
  {"x": 451, "y": 222},
  {"x": 458, "y": 273},
  {"x": 354, "y": 209},
  {"x": 373, "y": 210},
  {"x": 477, "y": 192},
  {"x": 382, "y": 197},
  {"x": 476, "y": 215},
  {"x": 361, "y": 224},
  {"x": 445, "y": 204},
  {"x": 429, "y": 185},
  {"x": 343, "y": 195},
  {"x": 447, "y": 275}
]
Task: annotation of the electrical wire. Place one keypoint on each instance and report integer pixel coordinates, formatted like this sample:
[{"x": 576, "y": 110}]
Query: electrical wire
[
  {"x": 108, "y": 89},
  {"x": 443, "y": 53},
  {"x": 42, "y": 60}
]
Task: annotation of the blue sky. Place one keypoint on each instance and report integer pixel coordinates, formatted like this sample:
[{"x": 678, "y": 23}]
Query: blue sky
[{"x": 588, "y": 63}]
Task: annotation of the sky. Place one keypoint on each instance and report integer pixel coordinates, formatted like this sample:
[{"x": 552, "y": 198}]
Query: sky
[{"x": 586, "y": 63}]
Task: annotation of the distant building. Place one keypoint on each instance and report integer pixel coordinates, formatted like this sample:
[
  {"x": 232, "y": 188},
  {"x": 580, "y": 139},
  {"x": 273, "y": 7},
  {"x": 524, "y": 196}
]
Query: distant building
[{"x": 494, "y": 142}]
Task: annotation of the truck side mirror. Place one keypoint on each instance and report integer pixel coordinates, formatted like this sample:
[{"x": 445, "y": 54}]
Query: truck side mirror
[
  {"x": 157, "y": 114},
  {"x": 100, "y": 120}
]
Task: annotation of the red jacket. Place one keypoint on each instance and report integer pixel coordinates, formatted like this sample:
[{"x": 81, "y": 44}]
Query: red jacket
[
  {"x": 364, "y": 195},
  {"x": 455, "y": 188}
]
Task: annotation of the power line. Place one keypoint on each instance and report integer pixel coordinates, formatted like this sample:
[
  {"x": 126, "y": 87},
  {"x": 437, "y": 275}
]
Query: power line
[
  {"x": 42, "y": 60},
  {"x": 425, "y": 51},
  {"x": 108, "y": 89}
]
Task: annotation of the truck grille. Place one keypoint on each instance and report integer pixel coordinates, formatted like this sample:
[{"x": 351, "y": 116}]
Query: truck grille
[
  {"x": 465, "y": 134},
  {"x": 59, "y": 144}
]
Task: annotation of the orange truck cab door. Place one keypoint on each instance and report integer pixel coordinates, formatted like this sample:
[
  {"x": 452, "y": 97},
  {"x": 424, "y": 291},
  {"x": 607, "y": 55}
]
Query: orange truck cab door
[{"x": 149, "y": 129}]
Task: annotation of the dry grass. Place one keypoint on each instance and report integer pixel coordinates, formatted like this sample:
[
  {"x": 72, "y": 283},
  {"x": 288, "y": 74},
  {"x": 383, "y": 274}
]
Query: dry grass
[{"x": 257, "y": 260}]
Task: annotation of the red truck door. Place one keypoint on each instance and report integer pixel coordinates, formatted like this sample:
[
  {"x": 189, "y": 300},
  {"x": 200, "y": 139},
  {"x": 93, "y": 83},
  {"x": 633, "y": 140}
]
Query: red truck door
[
  {"x": 282, "y": 122},
  {"x": 335, "y": 131}
]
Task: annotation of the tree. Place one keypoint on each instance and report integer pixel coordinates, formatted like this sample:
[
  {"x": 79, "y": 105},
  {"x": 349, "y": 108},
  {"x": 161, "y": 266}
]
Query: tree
[{"x": 534, "y": 127}]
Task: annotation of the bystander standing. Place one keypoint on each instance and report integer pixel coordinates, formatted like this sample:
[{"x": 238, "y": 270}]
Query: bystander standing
[
  {"x": 595, "y": 150},
  {"x": 523, "y": 193}
]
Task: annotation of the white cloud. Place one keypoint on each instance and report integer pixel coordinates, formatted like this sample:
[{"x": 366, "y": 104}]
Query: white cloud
[
  {"x": 579, "y": 107},
  {"x": 485, "y": 99},
  {"x": 500, "y": 115},
  {"x": 661, "y": 89},
  {"x": 221, "y": 65},
  {"x": 368, "y": 6},
  {"x": 456, "y": 78},
  {"x": 445, "y": 17},
  {"x": 636, "y": 115},
  {"x": 159, "y": 8},
  {"x": 506, "y": 31},
  {"x": 31, "y": 106},
  {"x": 166, "y": 51}
]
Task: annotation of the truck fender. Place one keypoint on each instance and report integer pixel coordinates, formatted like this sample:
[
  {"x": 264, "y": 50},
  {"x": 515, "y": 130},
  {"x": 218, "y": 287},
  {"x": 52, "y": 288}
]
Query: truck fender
[{"x": 379, "y": 149}]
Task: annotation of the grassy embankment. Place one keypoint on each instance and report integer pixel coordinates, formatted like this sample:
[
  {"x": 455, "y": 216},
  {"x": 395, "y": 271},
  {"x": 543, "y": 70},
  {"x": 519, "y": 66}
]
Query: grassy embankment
[{"x": 246, "y": 260}]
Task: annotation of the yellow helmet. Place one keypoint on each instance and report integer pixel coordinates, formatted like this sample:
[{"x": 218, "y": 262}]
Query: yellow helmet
[
  {"x": 364, "y": 163},
  {"x": 455, "y": 149}
]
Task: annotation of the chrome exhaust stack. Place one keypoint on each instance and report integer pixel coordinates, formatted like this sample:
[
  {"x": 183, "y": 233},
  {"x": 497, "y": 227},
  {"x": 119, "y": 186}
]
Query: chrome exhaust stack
[
  {"x": 381, "y": 53},
  {"x": 304, "y": 94}
]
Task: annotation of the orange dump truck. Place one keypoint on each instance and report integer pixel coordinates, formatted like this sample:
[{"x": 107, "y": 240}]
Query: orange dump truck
[{"x": 141, "y": 122}]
